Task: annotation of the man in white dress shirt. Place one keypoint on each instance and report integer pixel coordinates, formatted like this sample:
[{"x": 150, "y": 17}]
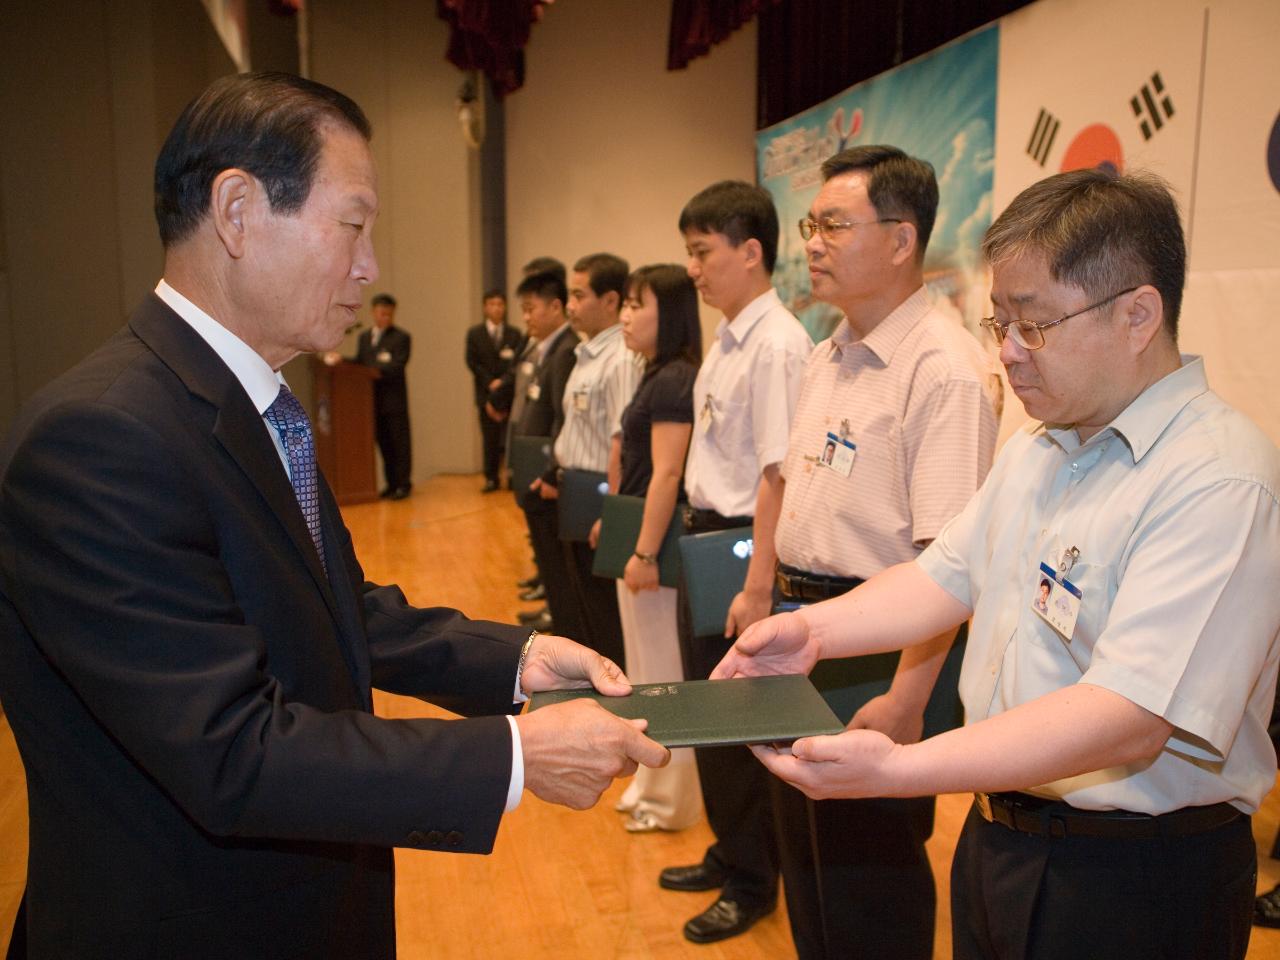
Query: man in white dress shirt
[{"x": 743, "y": 399}]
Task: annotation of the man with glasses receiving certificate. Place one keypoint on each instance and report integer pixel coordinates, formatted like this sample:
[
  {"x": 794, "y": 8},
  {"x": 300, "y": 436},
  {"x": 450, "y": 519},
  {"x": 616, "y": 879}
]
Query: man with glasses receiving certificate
[{"x": 1116, "y": 725}]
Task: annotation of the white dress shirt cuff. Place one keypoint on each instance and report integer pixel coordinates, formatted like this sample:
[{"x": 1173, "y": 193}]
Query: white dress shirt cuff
[{"x": 516, "y": 788}]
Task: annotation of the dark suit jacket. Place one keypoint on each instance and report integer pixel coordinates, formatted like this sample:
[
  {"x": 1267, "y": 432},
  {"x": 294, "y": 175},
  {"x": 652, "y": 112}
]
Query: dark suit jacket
[
  {"x": 191, "y": 694},
  {"x": 543, "y": 415},
  {"x": 389, "y": 394},
  {"x": 485, "y": 359}
]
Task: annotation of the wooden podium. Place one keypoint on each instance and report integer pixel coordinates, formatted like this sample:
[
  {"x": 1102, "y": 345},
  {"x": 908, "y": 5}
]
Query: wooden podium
[{"x": 344, "y": 428}]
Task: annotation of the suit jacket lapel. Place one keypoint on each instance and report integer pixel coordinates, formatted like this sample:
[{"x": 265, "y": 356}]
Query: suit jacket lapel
[{"x": 238, "y": 426}]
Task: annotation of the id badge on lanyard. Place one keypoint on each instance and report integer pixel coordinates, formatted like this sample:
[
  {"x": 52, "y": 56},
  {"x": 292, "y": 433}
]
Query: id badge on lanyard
[{"x": 1057, "y": 600}]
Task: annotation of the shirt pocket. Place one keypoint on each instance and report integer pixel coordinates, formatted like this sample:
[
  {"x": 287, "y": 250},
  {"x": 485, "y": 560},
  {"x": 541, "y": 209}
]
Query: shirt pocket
[
  {"x": 1096, "y": 583},
  {"x": 730, "y": 429}
]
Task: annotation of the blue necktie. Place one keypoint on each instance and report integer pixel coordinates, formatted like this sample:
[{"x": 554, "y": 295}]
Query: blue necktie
[{"x": 290, "y": 420}]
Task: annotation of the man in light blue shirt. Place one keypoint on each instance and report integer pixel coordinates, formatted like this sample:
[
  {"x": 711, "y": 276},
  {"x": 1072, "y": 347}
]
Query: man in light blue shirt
[{"x": 1131, "y": 712}]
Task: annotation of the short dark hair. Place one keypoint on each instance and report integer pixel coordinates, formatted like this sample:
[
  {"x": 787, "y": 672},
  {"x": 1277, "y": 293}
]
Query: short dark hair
[
  {"x": 544, "y": 265},
  {"x": 268, "y": 124},
  {"x": 383, "y": 300},
  {"x": 898, "y": 185},
  {"x": 544, "y": 286},
  {"x": 1101, "y": 231},
  {"x": 495, "y": 292},
  {"x": 604, "y": 272},
  {"x": 741, "y": 211},
  {"x": 679, "y": 329}
]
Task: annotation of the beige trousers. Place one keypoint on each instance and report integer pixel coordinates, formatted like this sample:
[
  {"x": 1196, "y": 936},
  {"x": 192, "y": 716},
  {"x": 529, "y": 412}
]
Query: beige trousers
[{"x": 670, "y": 794}]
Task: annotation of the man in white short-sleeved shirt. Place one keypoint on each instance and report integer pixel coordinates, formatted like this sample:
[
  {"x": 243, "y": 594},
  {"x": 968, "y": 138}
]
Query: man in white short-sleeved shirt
[
  {"x": 1116, "y": 740},
  {"x": 743, "y": 399}
]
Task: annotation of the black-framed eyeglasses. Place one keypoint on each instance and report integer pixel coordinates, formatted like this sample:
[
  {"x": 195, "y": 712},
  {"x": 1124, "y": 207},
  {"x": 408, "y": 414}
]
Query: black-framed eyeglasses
[
  {"x": 830, "y": 227},
  {"x": 1030, "y": 335}
]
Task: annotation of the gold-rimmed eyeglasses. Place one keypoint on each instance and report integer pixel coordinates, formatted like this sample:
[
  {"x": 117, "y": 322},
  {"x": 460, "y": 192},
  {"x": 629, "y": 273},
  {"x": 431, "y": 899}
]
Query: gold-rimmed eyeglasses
[
  {"x": 1030, "y": 335},
  {"x": 829, "y": 227}
]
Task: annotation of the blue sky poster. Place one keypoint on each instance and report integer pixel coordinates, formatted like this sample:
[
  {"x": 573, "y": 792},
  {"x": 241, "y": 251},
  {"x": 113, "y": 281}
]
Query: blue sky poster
[{"x": 941, "y": 108}]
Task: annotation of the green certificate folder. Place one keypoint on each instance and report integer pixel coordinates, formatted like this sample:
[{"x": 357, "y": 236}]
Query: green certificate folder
[
  {"x": 528, "y": 458},
  {"x": 716, "y": 713},
  {"x": 715, "y": 565},
  {"x": 582, "y": 494},
  {"x": 620, "y": 520}
]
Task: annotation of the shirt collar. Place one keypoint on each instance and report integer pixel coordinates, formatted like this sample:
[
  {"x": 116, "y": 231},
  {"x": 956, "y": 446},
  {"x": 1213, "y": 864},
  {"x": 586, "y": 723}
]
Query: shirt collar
[
  {"x": 545, "y": 345},
  {"x": 889, "y": 332},
  {"x": 260, "y": 382},
  {"x": 1141, "y": 423},
  {"x": 597, "y": 344},
  {"x": 736, "y": 331}
]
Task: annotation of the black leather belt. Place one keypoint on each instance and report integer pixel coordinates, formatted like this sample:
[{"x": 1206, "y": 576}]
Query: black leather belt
[
  {"x": 796, "y": 584},
  {"x": 1053, "y": 818},
  {"x": 697, "y": 520}
]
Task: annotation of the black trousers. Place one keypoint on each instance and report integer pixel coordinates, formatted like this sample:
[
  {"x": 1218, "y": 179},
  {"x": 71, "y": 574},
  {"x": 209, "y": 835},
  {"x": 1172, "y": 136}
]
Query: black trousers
[
  {"x": 856, "y": 875},
  {"x": 856, "y": 872},
  {"x": 392, "y": 433},
  {"x": 544, "y": 533},
  {"x": 735, "y": 789},
  {"x": 597, "y": 600},
  {"x": 1016, "y": 896},
  {"x": 18, "y": 941},
  {"x": 494, "y": 436}
]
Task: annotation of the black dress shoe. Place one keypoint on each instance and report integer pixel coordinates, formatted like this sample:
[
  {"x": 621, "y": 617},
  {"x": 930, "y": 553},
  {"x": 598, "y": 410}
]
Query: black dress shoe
[
  {"x": 542, "y": 623},
  {"x": 386, "y": 492},
  {"x": 529, "y": 582},
  {"x": 534, "y": 593},
  {"x": 489, "y": 486},
  {"x": 1266, "y": 909},
  {"x": 725, "y": 919},
  {"x": 695, "y": 878},
  {"x": 528, "y": 616},
  {"x": 399, "y": 493}
]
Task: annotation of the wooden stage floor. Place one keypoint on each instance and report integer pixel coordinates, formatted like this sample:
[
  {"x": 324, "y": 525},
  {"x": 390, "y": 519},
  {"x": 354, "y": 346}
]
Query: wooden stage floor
[{"x": 560, "y": 885}]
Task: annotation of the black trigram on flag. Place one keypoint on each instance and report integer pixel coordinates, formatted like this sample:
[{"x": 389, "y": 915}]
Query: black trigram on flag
[
  {"x": 1042, "y": 135},
  {"x": 1146, "y": 100}
]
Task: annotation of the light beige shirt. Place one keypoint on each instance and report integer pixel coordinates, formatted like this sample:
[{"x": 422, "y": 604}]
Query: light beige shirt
[
  {"x": 743, "y": 399},
  {"x": 602, "y": 382},
  {"x": 1174, "y": 510},
  {"x": 918, "y": 397}
]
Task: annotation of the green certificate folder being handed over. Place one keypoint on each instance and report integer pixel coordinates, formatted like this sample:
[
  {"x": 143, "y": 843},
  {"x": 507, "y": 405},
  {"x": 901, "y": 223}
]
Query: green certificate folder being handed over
[{"x": 716, "y": 713}]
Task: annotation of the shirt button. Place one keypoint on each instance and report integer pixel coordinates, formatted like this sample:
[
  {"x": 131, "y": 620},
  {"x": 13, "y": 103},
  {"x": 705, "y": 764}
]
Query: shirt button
[{"x": 1075, "y": 467}]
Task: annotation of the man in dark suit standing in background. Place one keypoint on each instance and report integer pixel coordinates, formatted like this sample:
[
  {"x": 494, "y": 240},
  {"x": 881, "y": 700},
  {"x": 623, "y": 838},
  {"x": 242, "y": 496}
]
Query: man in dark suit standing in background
[
  {"x": 492, "y": 348},
  {"x": 188, "y": 645},
  {"x": 386, "y": 349}
]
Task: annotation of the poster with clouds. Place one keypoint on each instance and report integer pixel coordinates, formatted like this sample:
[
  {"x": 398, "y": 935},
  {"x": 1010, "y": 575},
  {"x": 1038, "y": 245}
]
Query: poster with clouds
[{"x": 940, "y": 107}]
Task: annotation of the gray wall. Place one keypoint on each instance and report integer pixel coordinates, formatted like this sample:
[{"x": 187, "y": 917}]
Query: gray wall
[{"x": 86, "y": 100}]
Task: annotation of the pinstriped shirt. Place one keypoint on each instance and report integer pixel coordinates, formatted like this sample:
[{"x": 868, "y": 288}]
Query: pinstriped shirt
[
  {"x": 919, "y": 399},
  {"x": 599, "y": 389}
]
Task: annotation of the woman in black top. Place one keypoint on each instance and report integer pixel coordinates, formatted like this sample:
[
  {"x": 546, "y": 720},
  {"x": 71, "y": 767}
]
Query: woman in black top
[{"x": 659, "y": 322}]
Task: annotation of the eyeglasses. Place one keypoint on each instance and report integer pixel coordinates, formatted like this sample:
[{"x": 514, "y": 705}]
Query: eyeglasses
[
  {"x": 829, "y": 227},
  {"x": 1029, "y": 334}
]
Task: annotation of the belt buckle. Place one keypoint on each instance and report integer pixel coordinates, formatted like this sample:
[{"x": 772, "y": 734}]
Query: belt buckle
[{"x": 984, "y": 806}]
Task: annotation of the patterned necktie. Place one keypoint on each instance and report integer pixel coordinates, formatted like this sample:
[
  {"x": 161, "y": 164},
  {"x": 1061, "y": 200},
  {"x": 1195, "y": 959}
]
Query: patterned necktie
[{"x": 290, "y": 420}]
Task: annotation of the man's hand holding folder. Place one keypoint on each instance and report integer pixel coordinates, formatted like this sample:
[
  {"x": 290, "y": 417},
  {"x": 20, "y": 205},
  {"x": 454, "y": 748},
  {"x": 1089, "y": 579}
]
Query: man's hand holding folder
[{"x": 574, "y": 750}]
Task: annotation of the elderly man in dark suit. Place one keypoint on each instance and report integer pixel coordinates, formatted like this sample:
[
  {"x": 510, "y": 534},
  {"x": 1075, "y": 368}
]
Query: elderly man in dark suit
[
  {"x": 492, "y": 348},
  {"x": 187, "y": 641},
  {"x": 385, "y": 348}
]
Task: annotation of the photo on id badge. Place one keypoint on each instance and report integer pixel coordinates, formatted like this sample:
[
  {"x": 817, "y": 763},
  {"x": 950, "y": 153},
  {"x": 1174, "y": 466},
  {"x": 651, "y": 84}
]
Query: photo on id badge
[
  {"x": 1056, "y": 600},
  {"x": 838, "y": 454}
]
